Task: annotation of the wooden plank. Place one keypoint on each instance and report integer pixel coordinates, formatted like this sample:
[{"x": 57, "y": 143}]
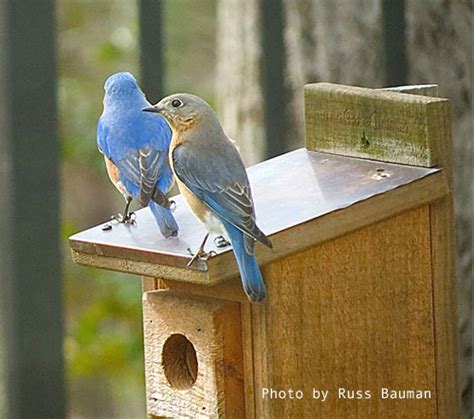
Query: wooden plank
[
  {"x": 138, "y": 267},
  {"x": 230, "y": 290},
  {"x": 288, "y": 241},
  {"x": 375, "y": 124},
  {"x": 444, "y": 289},
  {"x": 248, "y": 360},
  {"x": 415, "y": 89},
  {"x": 354, "y": 313},
  {"x": 149, "y": 284},
  {"x": 262, "y": 366},
  {"x": 445, "y": 306},
  {"x": 193, "y": 356}
]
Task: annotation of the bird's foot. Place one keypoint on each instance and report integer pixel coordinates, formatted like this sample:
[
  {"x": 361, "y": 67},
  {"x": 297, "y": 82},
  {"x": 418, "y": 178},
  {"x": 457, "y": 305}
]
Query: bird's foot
[
  {"x": 220, "y": 242},
  {"x": 128, "y": 218},
  {"x": 200, "y": 254}
]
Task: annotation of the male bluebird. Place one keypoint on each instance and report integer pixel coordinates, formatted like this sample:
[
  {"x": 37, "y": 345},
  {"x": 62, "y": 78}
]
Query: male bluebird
[
  {"x": 212, "y": 178},
  {"x": 135, "y": 147}
]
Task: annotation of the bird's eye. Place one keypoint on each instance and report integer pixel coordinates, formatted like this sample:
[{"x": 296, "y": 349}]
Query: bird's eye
[{"x": 176, "y": 103}]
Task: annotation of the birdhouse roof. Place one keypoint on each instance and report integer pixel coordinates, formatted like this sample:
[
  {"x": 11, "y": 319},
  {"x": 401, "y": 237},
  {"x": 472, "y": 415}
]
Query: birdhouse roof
[{"x": 302, "y": 198}]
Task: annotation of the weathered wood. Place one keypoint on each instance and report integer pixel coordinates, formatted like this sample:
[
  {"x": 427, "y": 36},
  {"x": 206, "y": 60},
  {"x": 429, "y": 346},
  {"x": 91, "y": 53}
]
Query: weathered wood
[
  {"x": 353, "y": 313},
  {"x": 420, "y": 89},
  {"x": 193, "y": 356},
  {"x": 248, "y": 360},
  {"x": 376, "y": 124},
  {"x": 444, "y": 288},
  {"x": 149, "y": 284},
  {"x": 445, "y": 307},
  {"x": 313, "y": 188}
]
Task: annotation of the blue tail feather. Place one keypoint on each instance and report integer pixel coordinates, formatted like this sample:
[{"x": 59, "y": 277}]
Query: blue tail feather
[
  {"x": 165, "y": 220},
  {"x": 252, "y": 280}
]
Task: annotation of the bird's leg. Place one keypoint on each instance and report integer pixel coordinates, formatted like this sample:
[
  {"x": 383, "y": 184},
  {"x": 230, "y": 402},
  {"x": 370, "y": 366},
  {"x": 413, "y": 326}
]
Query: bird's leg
[
  {"x": 201, "y": 253},
  {"x": 127, "y": 217},
  {"x": 220, "y": 241}
]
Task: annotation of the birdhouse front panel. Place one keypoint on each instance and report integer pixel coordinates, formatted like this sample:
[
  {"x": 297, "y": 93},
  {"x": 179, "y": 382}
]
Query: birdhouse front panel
[{"x": 193, "y": 356}]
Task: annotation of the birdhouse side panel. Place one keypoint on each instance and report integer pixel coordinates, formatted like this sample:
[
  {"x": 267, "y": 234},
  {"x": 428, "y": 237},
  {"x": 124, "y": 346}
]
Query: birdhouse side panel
[{"x": 349, "y": 323}]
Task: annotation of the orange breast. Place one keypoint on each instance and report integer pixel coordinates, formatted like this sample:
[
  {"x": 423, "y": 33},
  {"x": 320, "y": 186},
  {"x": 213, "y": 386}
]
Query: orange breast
[
  {"x": 114, "y": 175},
  {"x": 112, "y": 170},
  {"x": 199, "y": 209}
]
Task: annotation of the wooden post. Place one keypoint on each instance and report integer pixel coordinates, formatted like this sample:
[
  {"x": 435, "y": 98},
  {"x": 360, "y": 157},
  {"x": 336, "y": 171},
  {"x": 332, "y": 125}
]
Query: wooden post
[
  {"x": 151, "y": 48},
  {"x": 360, "y": 316},
  {"x": 394, "y": 45},
  {"x": 275, "y": 93},
  {"x": 30, "y": 279}
]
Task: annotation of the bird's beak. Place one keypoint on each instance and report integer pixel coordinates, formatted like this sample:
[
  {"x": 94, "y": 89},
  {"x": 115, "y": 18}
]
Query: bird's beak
[{"x": 153, "y": 109}]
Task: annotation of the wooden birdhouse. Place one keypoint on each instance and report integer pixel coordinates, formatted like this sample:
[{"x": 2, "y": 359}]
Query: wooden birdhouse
[{"x": 360, "y": 316}]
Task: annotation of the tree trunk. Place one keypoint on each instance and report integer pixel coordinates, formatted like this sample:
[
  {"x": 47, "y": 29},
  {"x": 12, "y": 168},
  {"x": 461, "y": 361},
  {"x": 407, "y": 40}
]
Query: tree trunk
[
  {"x": 342, "y": 42},
  {"x": 238, "y": 90}
]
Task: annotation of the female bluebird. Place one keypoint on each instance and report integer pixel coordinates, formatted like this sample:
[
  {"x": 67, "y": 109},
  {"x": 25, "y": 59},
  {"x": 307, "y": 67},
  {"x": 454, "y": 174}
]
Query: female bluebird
[
  {"x": 212, "y": 178},
  {"x": 135, "y": 148}
]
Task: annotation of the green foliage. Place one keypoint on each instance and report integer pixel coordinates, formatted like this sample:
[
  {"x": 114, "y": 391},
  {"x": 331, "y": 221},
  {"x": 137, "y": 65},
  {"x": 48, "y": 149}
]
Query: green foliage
[{"x": 106, "y": 337}]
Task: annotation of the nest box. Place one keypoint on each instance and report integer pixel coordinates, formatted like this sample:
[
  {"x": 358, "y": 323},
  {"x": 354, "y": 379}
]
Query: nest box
[{"x": 360, "y": 316}]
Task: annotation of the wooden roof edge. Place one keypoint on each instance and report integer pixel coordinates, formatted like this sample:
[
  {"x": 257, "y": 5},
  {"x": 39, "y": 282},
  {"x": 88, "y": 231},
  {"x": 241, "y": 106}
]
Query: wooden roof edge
[{"x": 292, "y": 240}]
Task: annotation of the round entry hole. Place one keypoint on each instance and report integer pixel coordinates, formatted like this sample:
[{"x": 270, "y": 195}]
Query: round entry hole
[{"x": 179, "y": 362}]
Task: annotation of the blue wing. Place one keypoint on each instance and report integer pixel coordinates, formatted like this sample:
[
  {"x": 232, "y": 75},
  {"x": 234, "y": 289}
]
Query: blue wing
[
  {"x": 139, "y": 150},
  {"x": 102, "y": 138}
]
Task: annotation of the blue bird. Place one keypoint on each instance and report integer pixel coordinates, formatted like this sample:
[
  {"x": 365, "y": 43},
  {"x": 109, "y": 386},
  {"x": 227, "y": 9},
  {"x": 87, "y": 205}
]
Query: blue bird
[
  {"x": 212, "y": 179},
  {"x": 135, "y": 147}
]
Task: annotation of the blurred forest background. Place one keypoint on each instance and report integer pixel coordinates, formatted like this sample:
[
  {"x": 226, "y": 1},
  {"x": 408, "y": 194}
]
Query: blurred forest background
[{"x": 213, "y": 48}]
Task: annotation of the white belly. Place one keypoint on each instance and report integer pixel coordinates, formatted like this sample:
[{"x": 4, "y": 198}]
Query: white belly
[
  {"x": 201, "y": 211},
  {"x": 213, "y": 224}
]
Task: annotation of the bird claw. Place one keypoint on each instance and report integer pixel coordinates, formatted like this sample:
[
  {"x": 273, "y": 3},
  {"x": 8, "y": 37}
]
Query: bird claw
[
  {"x": 200, "y": 254},
  {"x": 129, "y": 218},
  {"x": 220, "y": 242}
]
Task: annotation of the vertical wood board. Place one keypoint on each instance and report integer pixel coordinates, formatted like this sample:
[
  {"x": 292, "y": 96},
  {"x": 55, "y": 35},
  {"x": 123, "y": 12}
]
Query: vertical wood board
[
  {"x": 213, "y": 328},
  {"x": 354, "y": 313}
]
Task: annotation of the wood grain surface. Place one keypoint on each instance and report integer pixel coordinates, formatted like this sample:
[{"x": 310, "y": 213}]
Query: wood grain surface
[
  {"x": 374, "y": 123},
  {"x": 353, "y": 313},
  {"x": 213, "y": 330}
]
